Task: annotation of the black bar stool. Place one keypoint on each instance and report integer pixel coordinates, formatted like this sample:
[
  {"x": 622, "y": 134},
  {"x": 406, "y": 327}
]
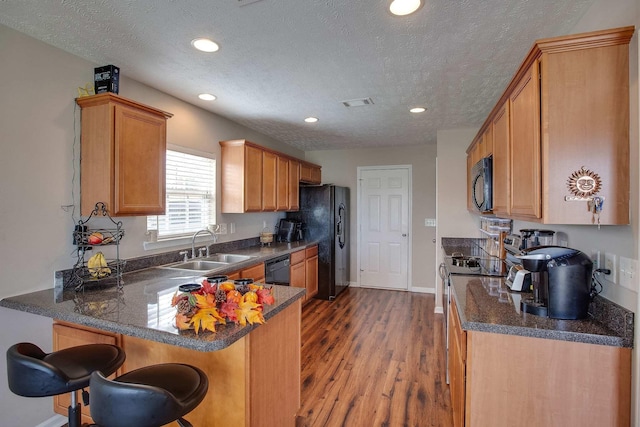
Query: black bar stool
[
  {"x": 33, "y": 373},
  {"x": 151, "y": 396}
]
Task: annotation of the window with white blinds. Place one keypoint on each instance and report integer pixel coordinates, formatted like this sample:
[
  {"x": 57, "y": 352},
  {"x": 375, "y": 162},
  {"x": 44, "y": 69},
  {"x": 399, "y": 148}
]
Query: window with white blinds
[{"x": 191, "y": 199}]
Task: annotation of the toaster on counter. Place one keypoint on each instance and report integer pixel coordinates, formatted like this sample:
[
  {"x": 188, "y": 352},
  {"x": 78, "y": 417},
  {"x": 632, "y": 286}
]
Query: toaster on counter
[{"x": 519, "y": 279}]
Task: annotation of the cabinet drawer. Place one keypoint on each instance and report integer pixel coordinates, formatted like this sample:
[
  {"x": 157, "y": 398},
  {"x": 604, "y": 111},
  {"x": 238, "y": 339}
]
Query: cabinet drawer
[
  {"x": 313, "y": 251},
  {"x": 256, "y": 272},
  {"x": 297, "y": 257}
]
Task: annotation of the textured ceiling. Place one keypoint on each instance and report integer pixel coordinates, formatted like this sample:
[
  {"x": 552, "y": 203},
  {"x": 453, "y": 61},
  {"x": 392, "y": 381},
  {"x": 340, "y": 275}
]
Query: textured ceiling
[{"x": 283, "y": 60}]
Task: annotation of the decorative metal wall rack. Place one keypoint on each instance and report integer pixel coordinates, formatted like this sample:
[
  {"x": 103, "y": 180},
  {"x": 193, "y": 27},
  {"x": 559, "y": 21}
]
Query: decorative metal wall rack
[{"x": 90, "y": 269}]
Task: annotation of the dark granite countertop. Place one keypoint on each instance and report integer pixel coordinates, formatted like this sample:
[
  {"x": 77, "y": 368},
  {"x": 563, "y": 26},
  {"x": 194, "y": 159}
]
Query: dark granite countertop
[
  {"x": 142, "y": 307},
  {"x": 486, "y": 304}
]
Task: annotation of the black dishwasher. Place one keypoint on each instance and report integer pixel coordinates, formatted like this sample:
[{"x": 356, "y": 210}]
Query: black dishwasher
[{"x": 277, "y": 270}]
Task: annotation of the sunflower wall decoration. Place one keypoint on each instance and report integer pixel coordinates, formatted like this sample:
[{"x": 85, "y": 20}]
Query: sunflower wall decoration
[{"x": 583, "y": 184}]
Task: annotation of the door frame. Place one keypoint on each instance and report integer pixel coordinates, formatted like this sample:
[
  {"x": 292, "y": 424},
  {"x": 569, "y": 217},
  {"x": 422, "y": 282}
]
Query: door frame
[{"x": 409, "y": 169}]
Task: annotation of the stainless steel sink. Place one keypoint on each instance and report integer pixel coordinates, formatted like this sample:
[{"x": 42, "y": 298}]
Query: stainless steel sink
[
  {"x": 197, "y": 265},
  {"x": 209, "y": 263},
  {"x": 228, "y": 258}
]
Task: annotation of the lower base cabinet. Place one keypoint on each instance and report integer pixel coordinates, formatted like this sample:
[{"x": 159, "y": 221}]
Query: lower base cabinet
[
  {"x": 66, "y": 335},
  {"x": 503, "y": 380},
  {"x": 255, "y": 382},
  {"x": 304, "y": 271},
  {"x": 311, "y": 271}
]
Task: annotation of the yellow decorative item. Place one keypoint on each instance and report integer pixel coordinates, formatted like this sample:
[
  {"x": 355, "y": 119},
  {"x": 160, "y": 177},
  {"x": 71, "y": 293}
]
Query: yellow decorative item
[
  {"x": 97, "y": 266},
  {"x": 213, "y": 304},
  {"x": 87, "y": 90}
]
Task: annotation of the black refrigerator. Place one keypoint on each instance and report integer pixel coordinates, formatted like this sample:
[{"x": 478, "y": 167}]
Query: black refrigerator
[{"x": 324, "y": 212}]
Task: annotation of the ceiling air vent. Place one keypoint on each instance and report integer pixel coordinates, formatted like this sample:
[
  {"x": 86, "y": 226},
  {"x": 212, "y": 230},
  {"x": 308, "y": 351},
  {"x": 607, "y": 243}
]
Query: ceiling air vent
[
  {"x": 246, "y": 2},
  {"x": 358, "y": 102}
]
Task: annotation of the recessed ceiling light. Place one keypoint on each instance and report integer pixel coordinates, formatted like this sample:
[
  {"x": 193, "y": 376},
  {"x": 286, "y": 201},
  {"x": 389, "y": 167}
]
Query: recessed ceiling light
[
  {"x": 418, "y": 110},
  {"x": 207, "y": 97},
  {"x": 404, "y": 7},
  {"x": 205, "y": 45},
  {"x": 311, "y": 119}
]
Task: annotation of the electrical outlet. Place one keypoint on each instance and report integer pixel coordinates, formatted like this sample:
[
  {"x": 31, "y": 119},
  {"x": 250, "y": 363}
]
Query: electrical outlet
[
  {"x": 595, "y": 258},
  {"x": 611, "y": 263},
  {"x": 628, "y": 268},
  {"x": 264, "y": 224},
  {"x": 222, "y": 229},
  {"x": 232, "y": 227}
]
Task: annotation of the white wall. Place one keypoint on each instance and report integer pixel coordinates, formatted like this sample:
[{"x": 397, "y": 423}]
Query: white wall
[
  {"x": 39, "y": 129},
  {"x": 340, "y": 167},
  {"x": 454, "y": 220}
]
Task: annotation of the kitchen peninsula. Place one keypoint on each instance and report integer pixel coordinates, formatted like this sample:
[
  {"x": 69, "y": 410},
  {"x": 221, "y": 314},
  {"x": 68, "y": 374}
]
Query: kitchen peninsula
[{"x": 254, "y": 371}]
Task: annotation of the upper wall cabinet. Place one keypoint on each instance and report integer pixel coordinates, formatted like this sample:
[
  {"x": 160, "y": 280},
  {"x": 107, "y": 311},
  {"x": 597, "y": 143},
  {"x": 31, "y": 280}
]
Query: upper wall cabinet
[
  {"x": 255, "y": 179},
  {"x": 310, "y": 173},
  {"x": 560, "y": 132},
  {"x": 123, "y": 152}
]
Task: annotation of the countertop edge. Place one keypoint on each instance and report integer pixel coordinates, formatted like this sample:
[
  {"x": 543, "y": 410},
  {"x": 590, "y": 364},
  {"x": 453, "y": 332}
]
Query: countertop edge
[
  {"x": 611, "y": 341},
  {"x": 608, "y": 340},
  {"x": 189, "y": 342}
]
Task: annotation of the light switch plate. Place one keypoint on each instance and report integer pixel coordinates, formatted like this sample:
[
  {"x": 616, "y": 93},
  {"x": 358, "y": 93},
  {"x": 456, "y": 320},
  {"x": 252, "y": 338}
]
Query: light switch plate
[
  {"x": 429, "y": 222},
  {"x": 628, "y": 273}
]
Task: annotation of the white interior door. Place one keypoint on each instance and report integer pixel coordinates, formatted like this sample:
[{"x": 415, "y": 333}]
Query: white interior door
[{"x": 384, "y": 227}]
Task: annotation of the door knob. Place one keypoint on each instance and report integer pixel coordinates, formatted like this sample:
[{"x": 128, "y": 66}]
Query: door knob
[{"x": 404, "y": 235}]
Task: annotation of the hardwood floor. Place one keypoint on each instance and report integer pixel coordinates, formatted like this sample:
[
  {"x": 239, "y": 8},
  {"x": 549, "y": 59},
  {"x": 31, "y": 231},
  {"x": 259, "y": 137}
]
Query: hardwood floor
[{"x": 373, "y": 358}]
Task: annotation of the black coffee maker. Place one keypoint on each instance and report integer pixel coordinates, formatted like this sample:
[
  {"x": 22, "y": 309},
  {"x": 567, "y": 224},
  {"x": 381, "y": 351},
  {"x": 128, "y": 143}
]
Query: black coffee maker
[{"x": 561, "y": 279}]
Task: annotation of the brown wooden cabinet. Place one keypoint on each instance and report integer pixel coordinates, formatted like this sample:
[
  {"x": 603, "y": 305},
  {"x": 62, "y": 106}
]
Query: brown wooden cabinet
[
  {"x": 568, "y": 109},
  {"x": 270, "y": 181},
  {"x": 69, "y": 335},
  {"x": 293, "y": 190},
  {"x": 248, "y": 379},
  {"x": 241, "y": 182},
  {"x": 255, "y": 272},
  {"x": 304, "y": 271},
  {"x": 282, "y": 183},
  {"x": 499, "y": 380},
  {"x": 256, "y": 179},
  {"x": 524, "y": 146},
  {"x": 297, "y": 271},
  {"x": 501, "y": 163},
  {"x": 310, "y": 173},
  {"x": 311, "y": 271},
  {"x": 457, "y": 366},
  {"x": 123, "y": 155}
]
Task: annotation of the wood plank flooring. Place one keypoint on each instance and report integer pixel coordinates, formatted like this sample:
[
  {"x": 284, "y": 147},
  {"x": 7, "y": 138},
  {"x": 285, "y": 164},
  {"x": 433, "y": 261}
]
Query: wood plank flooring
[{"x": 373, "y": 358}]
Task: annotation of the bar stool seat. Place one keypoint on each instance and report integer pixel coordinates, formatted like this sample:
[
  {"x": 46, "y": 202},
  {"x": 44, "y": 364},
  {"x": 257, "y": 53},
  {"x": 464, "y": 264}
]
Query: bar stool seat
[
  {"x": 33, "y": 373},
  {"x": 151, "y": 396}
]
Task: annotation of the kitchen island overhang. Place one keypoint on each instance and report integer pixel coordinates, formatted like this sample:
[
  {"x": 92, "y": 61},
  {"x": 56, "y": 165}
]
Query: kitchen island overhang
[
  {"x": 130, "y": 310},
  {"x": 254, "y": 370}
]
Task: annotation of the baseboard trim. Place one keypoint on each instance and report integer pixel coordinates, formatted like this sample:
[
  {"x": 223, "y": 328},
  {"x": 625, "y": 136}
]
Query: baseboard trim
[
  {"x": 55, "y": 421},
  {"x": 422, "y": 290}
]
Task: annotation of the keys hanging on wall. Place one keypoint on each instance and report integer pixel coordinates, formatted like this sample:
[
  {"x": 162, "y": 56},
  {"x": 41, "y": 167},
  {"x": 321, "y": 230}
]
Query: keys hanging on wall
[{"x": 595, "y": 206}]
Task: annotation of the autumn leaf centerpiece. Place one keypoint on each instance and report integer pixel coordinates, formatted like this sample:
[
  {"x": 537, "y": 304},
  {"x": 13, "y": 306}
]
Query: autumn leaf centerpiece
[{"x": 219, "y": 303}]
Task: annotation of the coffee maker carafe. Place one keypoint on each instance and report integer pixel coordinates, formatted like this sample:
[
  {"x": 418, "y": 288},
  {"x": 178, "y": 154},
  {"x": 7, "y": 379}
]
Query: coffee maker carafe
[
  {"x": 532, "y": 237},
  {"x": 561, "y": 280}
]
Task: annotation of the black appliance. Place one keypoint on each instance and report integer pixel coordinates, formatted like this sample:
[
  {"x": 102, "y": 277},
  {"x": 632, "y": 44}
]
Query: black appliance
[
  {"x": 561, "y": 279},
  {"x": 482, "y": 184},
  {"x": 277, "y": 270},
  {"x": 289, "y": 230},
  {"x": 324, "y": 214}
]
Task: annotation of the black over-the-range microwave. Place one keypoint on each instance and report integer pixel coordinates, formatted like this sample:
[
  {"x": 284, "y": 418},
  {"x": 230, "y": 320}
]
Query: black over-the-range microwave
[{"x": 482, "y": 184}]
